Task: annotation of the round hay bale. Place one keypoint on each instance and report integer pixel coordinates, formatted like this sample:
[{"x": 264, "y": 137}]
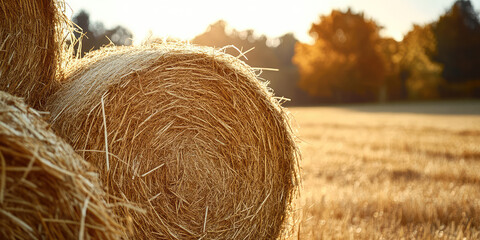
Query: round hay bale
[
  {"x": 31, "y": 47},
  {"x": 192, "y": 136},
  {"x": 46, "y": 189}
]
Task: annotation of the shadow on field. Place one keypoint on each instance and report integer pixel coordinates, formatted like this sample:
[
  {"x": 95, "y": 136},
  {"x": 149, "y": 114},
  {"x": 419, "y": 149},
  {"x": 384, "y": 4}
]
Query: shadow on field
[{"x": 459, "y": 107}]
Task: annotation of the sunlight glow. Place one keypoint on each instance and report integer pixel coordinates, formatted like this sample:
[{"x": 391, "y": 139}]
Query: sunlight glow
[{"x": 185, "y": 19}]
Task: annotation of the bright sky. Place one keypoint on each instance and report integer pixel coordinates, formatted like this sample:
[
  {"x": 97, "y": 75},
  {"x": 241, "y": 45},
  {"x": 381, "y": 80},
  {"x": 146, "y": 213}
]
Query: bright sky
[{"x": 185, "y": 19}]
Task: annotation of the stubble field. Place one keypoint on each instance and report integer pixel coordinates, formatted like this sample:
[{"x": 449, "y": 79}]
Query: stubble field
[{"x": 398, "y": 171}]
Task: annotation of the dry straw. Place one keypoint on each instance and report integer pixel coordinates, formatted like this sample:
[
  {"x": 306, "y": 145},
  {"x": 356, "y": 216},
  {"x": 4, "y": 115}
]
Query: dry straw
[
  {"x": 193, "y": 137},
  {"x": 46, "y": 191},
  {"x": 32, "y": 37}
]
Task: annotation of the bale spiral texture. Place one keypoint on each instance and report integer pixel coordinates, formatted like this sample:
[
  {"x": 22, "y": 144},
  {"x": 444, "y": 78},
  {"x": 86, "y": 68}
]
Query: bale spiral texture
[
  {"x": 46, "y": 190},
  {"x": 193, "y": 137},
  {"x": 31, "y": 47}
]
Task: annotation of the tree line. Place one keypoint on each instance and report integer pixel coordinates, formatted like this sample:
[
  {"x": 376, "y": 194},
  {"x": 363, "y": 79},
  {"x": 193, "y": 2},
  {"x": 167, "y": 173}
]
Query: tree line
[
  {"x": 349, "y": 61},
  {"x": 94, "y": 35}
]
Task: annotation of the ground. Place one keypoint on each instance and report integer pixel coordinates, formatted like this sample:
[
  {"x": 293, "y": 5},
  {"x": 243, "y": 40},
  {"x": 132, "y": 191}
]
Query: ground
[{"x": 395, "y": 171}]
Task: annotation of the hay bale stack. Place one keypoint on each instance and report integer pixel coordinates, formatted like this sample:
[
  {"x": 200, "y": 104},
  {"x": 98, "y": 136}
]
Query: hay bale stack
[
  {"x": 31, "y": 47},
  {"x": 192, "y": 134},
  {"x": 46, "y": 190}
]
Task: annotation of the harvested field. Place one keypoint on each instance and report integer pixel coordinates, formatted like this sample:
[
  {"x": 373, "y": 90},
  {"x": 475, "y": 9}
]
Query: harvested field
[{"x": 399, "y": 171}]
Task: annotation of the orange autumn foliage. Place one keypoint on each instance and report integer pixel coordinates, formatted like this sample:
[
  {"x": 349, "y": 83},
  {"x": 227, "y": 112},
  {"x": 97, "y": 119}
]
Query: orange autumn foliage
[{"x": 345, "y": 62}]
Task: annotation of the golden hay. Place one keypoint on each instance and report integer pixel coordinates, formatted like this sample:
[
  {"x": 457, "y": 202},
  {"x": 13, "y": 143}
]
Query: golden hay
[
  {"x": 31, "y": 47},
  {"x": 193, "y": 137},
  {"x": 46, "y": 191}
]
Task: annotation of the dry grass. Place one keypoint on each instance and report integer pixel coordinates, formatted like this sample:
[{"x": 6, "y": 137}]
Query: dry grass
[
  {"x": 369, "y": 174},
  {"x": 32, "y": 46},
  {"x": 191, "y": 135},
  {"x": 47, "y": 191}
]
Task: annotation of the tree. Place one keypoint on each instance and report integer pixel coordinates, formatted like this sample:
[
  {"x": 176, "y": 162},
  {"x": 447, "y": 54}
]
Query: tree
[
  {"x": 420, "y": 75},
  {"x": 216, "y": 36},
  {"x": 458, "y": 43},
  {"x": 394, "y": 88},
  {"x": 286, "y": 49},
  {"x": 83, "y": 33},
  {"x": 345, "y": 63},
  {"x": 285, "y": 81},
  {"x": 95, "y": 35}
]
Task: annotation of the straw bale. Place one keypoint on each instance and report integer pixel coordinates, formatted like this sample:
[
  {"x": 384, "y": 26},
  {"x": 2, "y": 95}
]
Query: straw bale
[
  {"x": 46, "y": 189},
  {"x": 32, "y": 37},
  {"x": 193, "y": 137}
]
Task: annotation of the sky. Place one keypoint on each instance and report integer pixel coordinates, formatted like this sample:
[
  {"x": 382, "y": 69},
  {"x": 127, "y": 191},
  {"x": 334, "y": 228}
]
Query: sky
[{"x": 185, "y": 19}]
